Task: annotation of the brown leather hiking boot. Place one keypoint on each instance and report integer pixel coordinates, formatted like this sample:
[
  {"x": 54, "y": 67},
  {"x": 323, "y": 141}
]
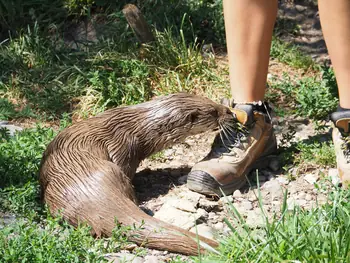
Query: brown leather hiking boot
[
  {"x": 341, "y": 140},
  {"x": 233, "y": 157}
]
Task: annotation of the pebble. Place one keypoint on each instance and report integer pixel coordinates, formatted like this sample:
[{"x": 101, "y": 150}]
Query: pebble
[
  {"x": 246, "y": 205},
  {"x": 203, "y": 230},
  {"x": 227, "y": 199},
  {"x": 219, "y": 226},
  {"x": 282, "y": 180},
  {"x": 311, "y": 178},
  {"x": 237, "y": 194}
]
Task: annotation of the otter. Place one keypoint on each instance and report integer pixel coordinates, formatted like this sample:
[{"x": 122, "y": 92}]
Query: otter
[{"x": 86, "y": 171}]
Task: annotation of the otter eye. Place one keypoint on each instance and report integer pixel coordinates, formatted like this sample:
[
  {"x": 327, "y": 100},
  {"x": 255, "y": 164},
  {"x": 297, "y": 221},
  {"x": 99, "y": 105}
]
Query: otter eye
[
  {"x": 214, "y": 113},
  {"x": 193, "y": 117}
]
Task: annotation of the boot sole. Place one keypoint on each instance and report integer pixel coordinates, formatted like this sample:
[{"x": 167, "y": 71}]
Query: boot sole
[{"x": 204, "y": 183}]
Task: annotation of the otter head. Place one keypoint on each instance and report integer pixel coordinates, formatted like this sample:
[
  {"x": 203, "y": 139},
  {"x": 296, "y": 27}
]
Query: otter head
[{"x": 179, "y": 115}]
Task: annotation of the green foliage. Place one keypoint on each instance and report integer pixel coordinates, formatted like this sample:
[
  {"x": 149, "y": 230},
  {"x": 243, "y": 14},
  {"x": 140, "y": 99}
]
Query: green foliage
[
  {"x": 20, "y": 155},
  {"x": 290, "y": 54},
  {"x": 314, "y": 98},
  {"x": 50, "y": 241},
  {"x": 310, "y": 97},
  {"x": 318, "y": 235},
  {"x": 9, "y": 111}
]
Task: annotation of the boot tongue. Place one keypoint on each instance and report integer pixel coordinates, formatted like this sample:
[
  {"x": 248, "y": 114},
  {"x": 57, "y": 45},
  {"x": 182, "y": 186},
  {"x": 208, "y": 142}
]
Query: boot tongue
[
  {"x": 244, "y": 113},
  {"x": 341, "y": 119}
]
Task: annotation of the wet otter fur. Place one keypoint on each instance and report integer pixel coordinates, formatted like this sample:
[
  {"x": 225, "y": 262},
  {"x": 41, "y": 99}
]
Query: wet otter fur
[{"x": 86, "y": 171}]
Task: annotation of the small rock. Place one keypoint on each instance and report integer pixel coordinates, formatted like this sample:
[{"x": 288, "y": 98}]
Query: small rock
[
  {"x": 274, "y": 165},
  {"x": 123, "y": 257},
  {"x": 246, "y": 205},
  {"x": 237, "y": 194},
  {"x": 151, "y": 259},
  {"x": 311, "y": 178},
  {"x": 203, "y": 230},
  {"x": 226, "y": 199},
  {"x": 334, "y": 176},
  {"x": 253, "y": 196},
  {"x": 274, "y": 188},
  {"x": 282, "y": 180},
  {"x": 219, "y": 226}
]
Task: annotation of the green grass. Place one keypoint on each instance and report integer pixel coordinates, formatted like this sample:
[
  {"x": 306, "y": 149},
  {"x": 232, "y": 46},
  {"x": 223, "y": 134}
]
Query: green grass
[
  {"x": 50, "y": 240},
  {"x": 318, "y": 235}
]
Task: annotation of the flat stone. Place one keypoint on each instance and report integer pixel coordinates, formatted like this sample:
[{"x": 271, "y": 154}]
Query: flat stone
[
  {"x": 311, "y": 178},
  {"x": 12, "y": 129},
  {"x": 203, "y": 230},
  {"x": 174, "y": 216},
  {"x": 183, "y": 204}
]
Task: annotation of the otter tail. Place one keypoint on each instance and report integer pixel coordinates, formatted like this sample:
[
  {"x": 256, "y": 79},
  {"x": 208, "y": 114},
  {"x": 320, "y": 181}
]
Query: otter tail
[{"x": 153, "y": 233}]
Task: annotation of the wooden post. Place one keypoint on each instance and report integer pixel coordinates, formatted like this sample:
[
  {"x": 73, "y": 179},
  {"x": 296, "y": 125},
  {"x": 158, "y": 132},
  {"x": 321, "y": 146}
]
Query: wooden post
[{"x": 138, "y": 23}]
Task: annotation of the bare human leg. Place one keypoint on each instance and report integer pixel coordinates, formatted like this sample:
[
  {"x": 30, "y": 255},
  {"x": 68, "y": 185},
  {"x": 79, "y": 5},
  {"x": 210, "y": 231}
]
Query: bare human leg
[
  {"x": 249, "y": 26},
  {"x": 335, "y": 21}
]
